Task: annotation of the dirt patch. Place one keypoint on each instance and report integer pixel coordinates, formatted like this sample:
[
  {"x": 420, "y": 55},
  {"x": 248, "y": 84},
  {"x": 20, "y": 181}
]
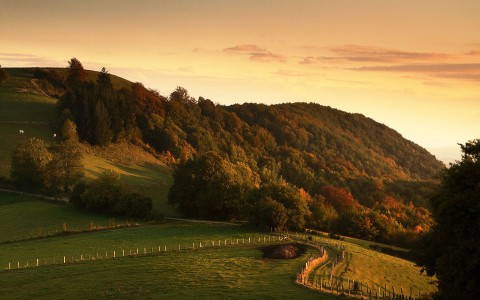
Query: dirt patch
[{"x": 289, "y": 251}]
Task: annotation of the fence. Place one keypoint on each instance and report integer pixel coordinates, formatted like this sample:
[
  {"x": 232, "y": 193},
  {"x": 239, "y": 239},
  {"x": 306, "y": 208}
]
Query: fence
[
  {"x": 155, "y": 250},
  {"x": 344, "y": 286}
]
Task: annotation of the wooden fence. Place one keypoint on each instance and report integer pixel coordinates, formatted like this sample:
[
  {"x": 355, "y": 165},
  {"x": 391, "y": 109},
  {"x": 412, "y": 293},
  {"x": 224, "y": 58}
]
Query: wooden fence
[
  {"x": 153, "y": 250},
  {"x": 345, "y": 286}
]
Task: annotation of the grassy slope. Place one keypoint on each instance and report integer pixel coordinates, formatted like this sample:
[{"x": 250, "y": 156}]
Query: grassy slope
[
  {"x": 23, "y": 107},
  {"x": 24, "y": 217},
  {"x": 375, "y": 268}
]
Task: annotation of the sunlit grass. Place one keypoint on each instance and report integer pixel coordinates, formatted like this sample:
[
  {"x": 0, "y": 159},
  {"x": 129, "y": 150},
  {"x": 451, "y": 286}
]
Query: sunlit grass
[
  {"x": 222, "y": 273},
  {"x": 23, "y": 217},
  {"x": 377, "y": 269}
]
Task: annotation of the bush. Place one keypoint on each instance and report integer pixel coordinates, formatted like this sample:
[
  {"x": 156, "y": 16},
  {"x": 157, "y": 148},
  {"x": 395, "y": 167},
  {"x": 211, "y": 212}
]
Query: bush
[{"x": 107, "y": 195}]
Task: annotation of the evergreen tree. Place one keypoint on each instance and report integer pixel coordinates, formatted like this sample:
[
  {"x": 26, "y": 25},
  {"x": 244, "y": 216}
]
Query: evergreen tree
[
  {"x": 451, "y": 250},
  {"x": 75, "y": 73},
  {"x": 102, "y": 134},
  {"x": 3, "y": 75}
]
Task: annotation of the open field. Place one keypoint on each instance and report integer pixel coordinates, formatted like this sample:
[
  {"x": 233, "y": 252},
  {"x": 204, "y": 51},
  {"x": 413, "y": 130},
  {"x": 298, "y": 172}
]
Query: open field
[
  {"x": 23, "y": 217},
  {"x": 210, "y": 274}
]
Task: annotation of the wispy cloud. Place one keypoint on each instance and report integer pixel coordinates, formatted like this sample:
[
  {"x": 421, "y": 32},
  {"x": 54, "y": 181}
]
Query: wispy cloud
[
  {"x": 21, "y": 59},
  {"x": 466, "y": 71},
  {"x": 256, "y": 53},
  {"x": 371, "y": 54},
  {"x": 291, "y": 73},
  {"x": 473, "y": 53}
]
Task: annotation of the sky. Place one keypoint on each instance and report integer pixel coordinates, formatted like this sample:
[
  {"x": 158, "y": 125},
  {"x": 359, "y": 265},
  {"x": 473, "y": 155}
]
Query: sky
[{"x": 412, "y": 65}]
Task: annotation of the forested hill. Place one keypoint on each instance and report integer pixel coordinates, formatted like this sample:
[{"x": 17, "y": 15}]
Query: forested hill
[
  {"x": 353, "y": 167},
  {"x": 307, "y": 144},
  {"x": 335, "y": 142}
]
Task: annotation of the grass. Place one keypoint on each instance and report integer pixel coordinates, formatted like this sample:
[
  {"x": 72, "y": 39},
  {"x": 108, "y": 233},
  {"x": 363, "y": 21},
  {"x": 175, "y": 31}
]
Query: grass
[
  {"x": 23, "y": 217},
  {"x": 150, "y": 178},
  {"x": 377, "y": 269},
  {"x": 210, "y": 274}
]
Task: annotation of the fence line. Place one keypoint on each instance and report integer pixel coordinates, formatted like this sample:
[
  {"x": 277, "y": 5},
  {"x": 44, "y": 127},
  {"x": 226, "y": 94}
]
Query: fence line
[
  {"x": 152, "y": 250},
  {"x": 345, "y": 286}
]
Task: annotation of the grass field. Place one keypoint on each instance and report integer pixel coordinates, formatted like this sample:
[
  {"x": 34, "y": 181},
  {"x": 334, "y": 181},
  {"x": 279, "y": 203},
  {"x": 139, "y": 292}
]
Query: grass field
[
  {"x": 376, "y": 269},
  {"x": 210, "y": 274},
  {"x": 23, "y": 217}
]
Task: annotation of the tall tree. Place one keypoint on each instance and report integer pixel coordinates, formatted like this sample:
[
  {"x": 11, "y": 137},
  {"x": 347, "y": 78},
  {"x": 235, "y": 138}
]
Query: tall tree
[
  {"x": 29, "y": 164},
  {"x": 451, "y": 250},
  {"x": 75, "y": 72},
  {"x": 3, "y": 75},
  {"x": 102, "y": 134},
  {"x": 104, "y": 80}
]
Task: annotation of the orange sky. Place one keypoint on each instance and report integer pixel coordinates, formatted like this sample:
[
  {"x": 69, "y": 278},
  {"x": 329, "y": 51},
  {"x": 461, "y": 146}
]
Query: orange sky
[{"x": 412, "y": 65}]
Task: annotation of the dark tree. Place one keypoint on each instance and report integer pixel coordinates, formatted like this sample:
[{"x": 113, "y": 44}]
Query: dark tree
[
  {"x": 104, "y": 80},
  {"x": 451, "y": 250},
  {"x": 101, "y": 132},
  {"x": 75, "y": 72},
  {"x": 66, "y": 167},
  {"x": 3, "y": 75},
  {"x": 29, "y": 164}
]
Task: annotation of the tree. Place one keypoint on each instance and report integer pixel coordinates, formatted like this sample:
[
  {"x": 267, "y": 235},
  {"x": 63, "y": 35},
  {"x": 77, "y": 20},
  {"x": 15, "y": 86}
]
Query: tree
[
  {"x": 107, "y": 194},
  {"x": 65, "y": 168},
  {"x": 3, "y": 75},
  {"x": 294, "y": 202},
  {"x": 102, "y": 134},
  {"x": 75, "y": 72},
  {"x": 69, "y": 131},
  {"x": 210, "y": 187},
  {"x": 104, "y": 80},
  {"x": 29, "y": 164},
  {"x": 451, "y": 249},
  {"x": 323, "y": 215}
]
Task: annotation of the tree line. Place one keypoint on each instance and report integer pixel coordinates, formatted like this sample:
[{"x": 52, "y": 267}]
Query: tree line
[{"x": 356, "y": 175}]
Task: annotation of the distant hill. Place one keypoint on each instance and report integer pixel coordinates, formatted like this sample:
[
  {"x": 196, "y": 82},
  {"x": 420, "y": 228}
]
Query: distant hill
[{"x": 346, "y": 159}]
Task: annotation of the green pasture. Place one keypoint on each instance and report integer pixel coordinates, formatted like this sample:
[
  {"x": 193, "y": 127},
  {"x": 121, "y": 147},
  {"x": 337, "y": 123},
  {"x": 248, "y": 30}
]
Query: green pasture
[
  {"x": 23, "y": 217},
  {"x": 151, "y": 179},
  {"x": 170, "y": 234},
  {"x": 221, "y": 273},
  {"x": 376, "y": 269}
]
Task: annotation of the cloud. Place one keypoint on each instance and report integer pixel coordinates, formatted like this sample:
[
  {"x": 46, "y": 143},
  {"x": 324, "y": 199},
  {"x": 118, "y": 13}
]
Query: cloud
[
  {"x": 290, "y": 73},
  {"x": 465, "y": 71},
  {"x": 256, "y": 53},
  {"x": 473, "y": 53},
  {"x": 371, "y": 54},
  {"x": 28, "y": 60}
]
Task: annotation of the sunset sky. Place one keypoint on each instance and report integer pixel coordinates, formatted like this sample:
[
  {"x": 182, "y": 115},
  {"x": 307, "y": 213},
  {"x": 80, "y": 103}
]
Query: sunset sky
[{"x": 412, "y": 65}]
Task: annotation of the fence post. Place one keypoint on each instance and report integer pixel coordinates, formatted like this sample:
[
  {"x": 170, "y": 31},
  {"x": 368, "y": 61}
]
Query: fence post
[
  {"x": 64, "y": 259},
  {"x": 9, "y": 265},
  {"x": 123, "y": 252},
  {"x": 114, "y": 255},
  {"x": 37, "y": 262}
]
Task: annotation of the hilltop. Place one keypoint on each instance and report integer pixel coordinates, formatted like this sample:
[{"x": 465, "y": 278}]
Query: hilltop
[{"x": 345, "y": 159}]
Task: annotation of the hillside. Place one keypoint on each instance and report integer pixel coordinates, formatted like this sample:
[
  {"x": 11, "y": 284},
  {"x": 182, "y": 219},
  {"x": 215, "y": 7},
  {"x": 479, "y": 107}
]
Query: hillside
[
  {"x": 350, "y": 165},
  {"x": 25, "y": 104}
]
